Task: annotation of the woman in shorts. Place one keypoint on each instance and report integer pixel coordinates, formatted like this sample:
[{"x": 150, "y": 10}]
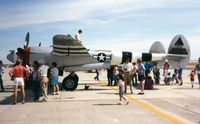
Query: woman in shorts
[
  {"x": 18, "y": 73},
  {"x": 141, "y": 75},
  {"x": 54, "y": 78}
]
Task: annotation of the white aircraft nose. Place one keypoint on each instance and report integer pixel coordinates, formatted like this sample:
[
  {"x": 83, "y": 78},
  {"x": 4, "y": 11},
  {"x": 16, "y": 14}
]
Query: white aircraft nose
[{"x": 10, "y": 56}]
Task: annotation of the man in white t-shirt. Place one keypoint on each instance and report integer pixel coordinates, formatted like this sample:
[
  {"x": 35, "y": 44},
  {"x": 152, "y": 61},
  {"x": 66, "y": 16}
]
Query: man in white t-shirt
[
  {"x": 127, "y": 68},
  {"x": 77, "y": 36},
  {"x": 43, "y": 69}
]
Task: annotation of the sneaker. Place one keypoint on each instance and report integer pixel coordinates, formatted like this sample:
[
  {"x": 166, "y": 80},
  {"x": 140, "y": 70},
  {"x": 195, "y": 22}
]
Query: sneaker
[
  {"x": 57, "y": 93},
  {"x": 43, "y": 100},
  {"x": 141, "y": 93},
  {"x": 127, "y": 102}
]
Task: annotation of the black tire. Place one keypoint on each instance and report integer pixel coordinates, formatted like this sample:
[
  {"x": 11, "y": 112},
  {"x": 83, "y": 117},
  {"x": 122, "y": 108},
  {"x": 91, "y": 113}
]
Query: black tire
[{"x": 70, "y": 82}]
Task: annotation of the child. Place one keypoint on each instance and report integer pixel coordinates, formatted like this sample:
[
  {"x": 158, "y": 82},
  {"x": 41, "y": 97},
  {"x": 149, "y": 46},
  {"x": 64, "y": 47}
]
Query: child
[
  {"x": 148, "y": 83},
  {"x": 121, "y": 84},
  {"x": 167, "y": 77},
  {"x": 175, "y": 76},
  {"x": 192, "y": 74},
  {"x": 115, "y": 75}
]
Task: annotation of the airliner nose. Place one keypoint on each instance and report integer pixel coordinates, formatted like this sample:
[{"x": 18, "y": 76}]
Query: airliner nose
[{"x": 10, "y": 56}]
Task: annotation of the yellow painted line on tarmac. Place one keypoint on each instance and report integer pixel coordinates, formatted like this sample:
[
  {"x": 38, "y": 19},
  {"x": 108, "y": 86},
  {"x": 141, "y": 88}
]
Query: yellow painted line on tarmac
[{"x": 153, "y": 109}]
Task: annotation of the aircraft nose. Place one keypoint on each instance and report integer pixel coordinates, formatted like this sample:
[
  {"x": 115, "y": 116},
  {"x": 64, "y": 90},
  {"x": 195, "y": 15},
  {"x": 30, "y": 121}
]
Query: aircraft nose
[{"x": 10, "y": 56}]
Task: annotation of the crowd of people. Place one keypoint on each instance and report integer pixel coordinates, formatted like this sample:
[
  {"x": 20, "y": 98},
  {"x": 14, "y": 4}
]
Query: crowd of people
[
  {"x": 131, "y": 73},
  {"x": 41, "y": 77}
]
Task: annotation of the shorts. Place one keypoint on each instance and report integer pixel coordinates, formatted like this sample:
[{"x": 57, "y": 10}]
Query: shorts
[
  {"x": 121, "y": 94},
  {"x": 140, "y": 77},
  {"x": 54, "y": 80},
  {"x": 180, "y": 77},
  {"x": 19, "y": 81},
  {"x": 115, "y": 77},
  {"x": 121, "y": 91}
]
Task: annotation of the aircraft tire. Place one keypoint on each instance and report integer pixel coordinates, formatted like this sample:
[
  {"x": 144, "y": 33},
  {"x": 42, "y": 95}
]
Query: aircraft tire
[{"x": 70, "y": 82}]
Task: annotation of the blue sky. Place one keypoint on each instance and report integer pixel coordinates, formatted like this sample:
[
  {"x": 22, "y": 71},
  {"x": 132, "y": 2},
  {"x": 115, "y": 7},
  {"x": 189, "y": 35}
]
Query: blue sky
[{"x": 106, "y": 24}]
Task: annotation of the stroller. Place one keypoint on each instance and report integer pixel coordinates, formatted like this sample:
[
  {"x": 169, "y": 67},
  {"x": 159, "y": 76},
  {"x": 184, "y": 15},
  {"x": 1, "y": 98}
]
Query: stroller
[
  {"x": 148, "y": 83},
  {"x": 167, "y": 78}
]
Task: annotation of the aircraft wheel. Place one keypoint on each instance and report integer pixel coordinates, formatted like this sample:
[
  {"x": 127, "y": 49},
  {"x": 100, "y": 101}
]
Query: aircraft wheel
[{"x": 70, "y": 82}]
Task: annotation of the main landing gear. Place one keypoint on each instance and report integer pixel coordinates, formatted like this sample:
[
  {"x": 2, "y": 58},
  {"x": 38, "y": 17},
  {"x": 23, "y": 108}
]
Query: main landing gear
[{"x": 70, "y": 82}]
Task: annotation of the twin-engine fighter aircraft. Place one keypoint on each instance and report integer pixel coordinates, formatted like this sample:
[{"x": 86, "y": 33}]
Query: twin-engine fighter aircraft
[{"x": 72, "y": 56}]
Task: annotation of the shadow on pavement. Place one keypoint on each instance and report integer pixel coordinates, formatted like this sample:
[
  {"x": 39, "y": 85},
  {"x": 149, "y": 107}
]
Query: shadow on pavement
[
  {"x": 189, "y": 88},
  {"x": 9, "y": 99},
  {"x": 91, "y": 89},
  {"x": 6, "y": 101},
  {"x": 106, "y": 104},
  {"x": 108, "y": 93}
]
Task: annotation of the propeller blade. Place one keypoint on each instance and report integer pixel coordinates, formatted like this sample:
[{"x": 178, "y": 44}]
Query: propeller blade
[
  {"x": 26, "y": 43},
  {"x": 40, "y": 44}
]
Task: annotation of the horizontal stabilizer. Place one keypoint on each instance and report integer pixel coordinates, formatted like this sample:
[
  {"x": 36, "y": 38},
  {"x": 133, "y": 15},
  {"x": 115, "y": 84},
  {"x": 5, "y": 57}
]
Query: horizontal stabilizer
[{"x": 157, "y": 47}]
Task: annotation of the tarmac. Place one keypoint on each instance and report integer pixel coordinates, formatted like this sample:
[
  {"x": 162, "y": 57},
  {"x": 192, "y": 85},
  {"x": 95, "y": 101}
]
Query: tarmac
[{"x": 166, "y": 104}]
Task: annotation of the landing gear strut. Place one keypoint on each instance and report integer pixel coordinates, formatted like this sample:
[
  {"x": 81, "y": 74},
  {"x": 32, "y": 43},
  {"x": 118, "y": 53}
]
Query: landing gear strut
[{"x": 70, "y": 82}]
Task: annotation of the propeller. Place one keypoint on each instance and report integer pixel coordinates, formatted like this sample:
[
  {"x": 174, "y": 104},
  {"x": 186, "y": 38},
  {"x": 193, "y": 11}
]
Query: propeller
[
  {"x": 26, "y": 42},
  {"x": 23, "y": 52}
]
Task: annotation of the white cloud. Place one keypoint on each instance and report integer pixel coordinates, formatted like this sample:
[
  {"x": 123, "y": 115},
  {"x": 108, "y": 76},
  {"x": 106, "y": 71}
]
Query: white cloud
[
  {"x": 94, "y": 21},
  {"x": 53, "y": 11}
]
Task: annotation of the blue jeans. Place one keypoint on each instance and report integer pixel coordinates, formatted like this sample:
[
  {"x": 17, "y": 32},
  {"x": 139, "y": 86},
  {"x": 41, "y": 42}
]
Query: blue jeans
[
  {"x": 1, "y": 83},
  {"x": 198, "y": 75},
  {"x": 36, "y": 89}
]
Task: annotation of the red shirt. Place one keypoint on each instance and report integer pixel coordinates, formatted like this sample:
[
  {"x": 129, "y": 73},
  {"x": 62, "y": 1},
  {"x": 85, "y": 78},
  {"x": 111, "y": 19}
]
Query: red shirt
[{"x": 18, "y": 71}]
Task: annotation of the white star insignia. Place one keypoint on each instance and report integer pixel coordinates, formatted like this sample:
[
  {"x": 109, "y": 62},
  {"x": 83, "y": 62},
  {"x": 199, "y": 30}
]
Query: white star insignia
[{"x": 101, "y": 57}]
